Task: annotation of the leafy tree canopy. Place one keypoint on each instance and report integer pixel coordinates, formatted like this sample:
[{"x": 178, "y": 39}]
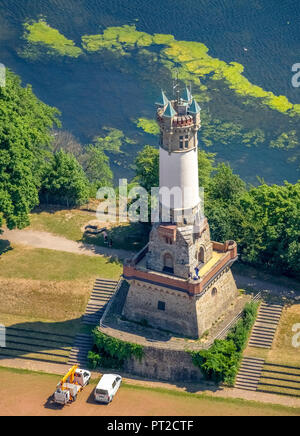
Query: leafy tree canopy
[
  {"x": 25, "y": 124},
  {"x": 147, "y": 168},
  {"x": 64, "y": 181},
  {"x": 95, "y": 164}
]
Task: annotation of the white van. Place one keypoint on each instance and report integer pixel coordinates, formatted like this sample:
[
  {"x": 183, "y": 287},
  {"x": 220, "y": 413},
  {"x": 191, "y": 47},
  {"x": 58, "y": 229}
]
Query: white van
[{"x": 107, "y": 388}]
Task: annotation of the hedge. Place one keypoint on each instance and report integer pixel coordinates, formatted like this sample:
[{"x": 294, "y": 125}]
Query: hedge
[
  {"x": 109, "y": 352},
  {"x": 222, "y": 361}
]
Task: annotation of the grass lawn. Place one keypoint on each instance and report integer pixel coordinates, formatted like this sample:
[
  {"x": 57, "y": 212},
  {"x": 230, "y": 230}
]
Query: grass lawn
[
  {"x": 42, "y": 264},
  {"x": 47, "y": 300},
  {"x": 47, "y": 291},
  {"x": 282, "y": 351},
  {"x": 70, "y": 223},
  {"x": 67, "y": 223}
]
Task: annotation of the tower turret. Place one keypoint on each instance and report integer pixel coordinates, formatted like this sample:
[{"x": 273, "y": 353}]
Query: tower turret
[{"x": 179, "y": 123}]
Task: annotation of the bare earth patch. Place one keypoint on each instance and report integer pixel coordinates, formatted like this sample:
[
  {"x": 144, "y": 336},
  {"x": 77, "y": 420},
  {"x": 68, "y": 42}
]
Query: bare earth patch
[{"x": 35, "y": 390}]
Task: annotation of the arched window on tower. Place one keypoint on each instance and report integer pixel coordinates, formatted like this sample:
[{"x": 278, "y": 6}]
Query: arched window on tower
[
  {"x": 168, "y": 263},
  {"x": 214, "y": 292}
]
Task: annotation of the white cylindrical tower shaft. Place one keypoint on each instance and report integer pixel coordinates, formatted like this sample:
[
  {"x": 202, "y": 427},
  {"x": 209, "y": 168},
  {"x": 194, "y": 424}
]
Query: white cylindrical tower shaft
[{"x": 179, "y": 123}]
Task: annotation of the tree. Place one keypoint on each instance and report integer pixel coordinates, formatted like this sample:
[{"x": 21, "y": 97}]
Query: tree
[
  {"x": 147, "y": 168},
  {"x": 271, "y": 234},
  {"x": 64, "y": 140},
  {"x": 95, "y": 164},
  {"x": 206, "y": 166},
  {"x": 224, "y": 185},
  {"x": 64, "y": 181},
  {"x": 25, "y": 124}
]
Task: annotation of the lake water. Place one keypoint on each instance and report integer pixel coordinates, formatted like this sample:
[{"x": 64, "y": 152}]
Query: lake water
[{"x": 263, "y": 35}]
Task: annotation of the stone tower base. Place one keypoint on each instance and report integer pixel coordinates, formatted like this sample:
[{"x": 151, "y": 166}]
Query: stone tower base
[{"x": 170, "y": 308}]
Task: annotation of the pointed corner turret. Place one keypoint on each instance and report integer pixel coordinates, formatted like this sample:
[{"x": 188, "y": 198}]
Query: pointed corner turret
[
  {"x": 187, "y": 95},
  {"x": 194, "y": 108},
  {"x": 170, "y": 111},
  {"x": 163, "y": 100}
]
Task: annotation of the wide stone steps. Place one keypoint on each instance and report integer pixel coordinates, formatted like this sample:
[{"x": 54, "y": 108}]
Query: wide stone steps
[
  {"x": 265, "y": 326},
  {"x": 249, "y": 373},
  {"x": 36, "y": 345},
  {"x": 280, "y": 379},
  {"x": 82, "y": 345},
  {"x": 102, "y": 292}
]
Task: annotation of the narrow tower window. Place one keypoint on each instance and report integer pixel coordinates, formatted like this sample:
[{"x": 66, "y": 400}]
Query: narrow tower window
[
  {"x": 161, "y": 305},
  {"x": 181, "y": 142}
]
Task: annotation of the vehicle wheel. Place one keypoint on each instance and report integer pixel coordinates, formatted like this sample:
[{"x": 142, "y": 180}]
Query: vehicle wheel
[{"x": 75, "y": 398}]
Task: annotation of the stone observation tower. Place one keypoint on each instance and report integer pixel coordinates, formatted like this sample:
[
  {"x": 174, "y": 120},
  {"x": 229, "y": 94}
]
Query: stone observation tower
[{"x": 181, "y": 281}]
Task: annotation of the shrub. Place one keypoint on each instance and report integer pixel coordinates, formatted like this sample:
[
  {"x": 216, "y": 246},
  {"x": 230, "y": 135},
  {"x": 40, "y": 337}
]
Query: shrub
[
  {"x": 93, "y": 359},
  {"x": 109, "y": 352},
  {"x": 221, "y": 362}
]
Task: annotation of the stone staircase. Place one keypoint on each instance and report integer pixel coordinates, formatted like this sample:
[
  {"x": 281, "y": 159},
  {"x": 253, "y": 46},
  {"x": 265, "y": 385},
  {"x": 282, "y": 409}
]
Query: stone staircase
[
  {"x": 249, "y": 373},
  {"x": 102, "y": 293},
  {"x": 100, "y": 297},
  {"x": 82, "y": 345},
  {"x": 265, "y": 326},
  {"x": 36, "y": 345}
]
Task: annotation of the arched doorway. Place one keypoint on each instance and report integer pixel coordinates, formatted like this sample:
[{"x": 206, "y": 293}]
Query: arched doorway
[
  {"x": 168, "y": 263},
  {"x": 201, "y": 256}
]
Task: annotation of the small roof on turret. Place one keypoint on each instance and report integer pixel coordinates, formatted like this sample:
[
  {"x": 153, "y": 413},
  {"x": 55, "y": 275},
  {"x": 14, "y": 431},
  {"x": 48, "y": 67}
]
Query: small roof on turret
[
  {"x": 170, "y": 111},
  {"x": 187, "y": 95},
  {"x": 194, "y": 108},
  {"x": 163, "y": 100}
]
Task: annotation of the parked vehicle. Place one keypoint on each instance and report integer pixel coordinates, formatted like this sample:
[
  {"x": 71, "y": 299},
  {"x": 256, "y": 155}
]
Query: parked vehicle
[
  {"x": 71, "y": 384},
  {"x": 94, "y": 230},
  {"x": 107, "y": 388}
]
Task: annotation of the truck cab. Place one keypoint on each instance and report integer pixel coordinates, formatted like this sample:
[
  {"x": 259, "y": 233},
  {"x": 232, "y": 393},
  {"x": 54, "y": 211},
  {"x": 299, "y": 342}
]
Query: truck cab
[{"x": 82, "y": 377}]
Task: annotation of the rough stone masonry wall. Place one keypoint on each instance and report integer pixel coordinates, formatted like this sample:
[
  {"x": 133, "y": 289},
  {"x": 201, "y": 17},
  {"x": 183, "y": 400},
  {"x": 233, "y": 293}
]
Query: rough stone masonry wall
[
  {"x": 217, "y": 299},
  {"x": 185, "y": 315},
  {"x": 163, "y": 364},
  {"x": 185, "y": 252},
  {"x": 179, "y": 316}
]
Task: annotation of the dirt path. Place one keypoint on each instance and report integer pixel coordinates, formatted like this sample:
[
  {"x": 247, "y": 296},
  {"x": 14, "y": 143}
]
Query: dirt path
[
  {"x": 228, "y": 393},
  {"x": 35, "y": 392},
  {"x": 289, "y": 291},
  {"x": 47, "y": 240}
]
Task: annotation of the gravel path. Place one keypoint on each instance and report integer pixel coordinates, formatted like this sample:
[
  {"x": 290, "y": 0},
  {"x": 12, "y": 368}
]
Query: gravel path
[
  {"x": 188, "y": 387},
  {"x": 47, "y": 240},
  {"x": 291, "y": 290}
]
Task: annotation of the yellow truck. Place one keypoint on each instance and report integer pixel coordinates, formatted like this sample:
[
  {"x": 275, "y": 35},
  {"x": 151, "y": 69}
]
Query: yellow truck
[{"x": 71, "y": 384}]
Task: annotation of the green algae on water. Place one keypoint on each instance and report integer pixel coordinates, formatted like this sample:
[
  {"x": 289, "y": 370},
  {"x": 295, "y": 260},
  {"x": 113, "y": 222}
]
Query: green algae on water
[
  {"x": 148, "y": 126},
  {"x": 41, "y": 33}
]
